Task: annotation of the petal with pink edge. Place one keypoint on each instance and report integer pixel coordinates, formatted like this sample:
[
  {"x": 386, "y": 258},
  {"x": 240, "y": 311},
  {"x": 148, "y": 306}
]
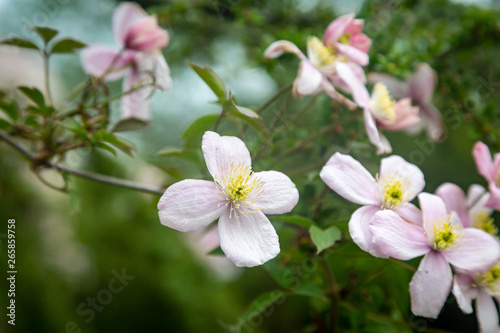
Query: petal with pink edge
[
  {"x": 477, "y": 251},
  {"x": 484, "y": 162},
  {"x": 308, "y": 80},
  {"x": 455, "y": 200},
  {"x": 279, "y": 47},
  {"x": 280, "y": 194},
  {"x": 359, "y": 229},
  {"x": 430, "y": 285},
  {"x": 487, "y": 314},
  {"x": 397, "y": 238},
  {"x": 221, "y": 151},
  {"x": 433, "y": 210},
  {"x": 464, "y": 292},
  {"x": 336, "y": 29},
  {"x": 361, "y": 41},
  {"x": 410, "y": 213},
  {"x": 350, "y": 179},
  {"x": 395, "y": 167},
  {"x": 190, "y": 205},
  {"x": 248, "y": 241},
  {"x": 494, "y": 198},
  {"x": 353, "y": 54},
  {"x": 124, "y": 17},
  {"x": 354, "y": 83},
  {"x": 98, "y": 60}
]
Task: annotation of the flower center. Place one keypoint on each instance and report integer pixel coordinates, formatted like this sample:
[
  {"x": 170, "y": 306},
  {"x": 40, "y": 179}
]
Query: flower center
[
  {"x": 446, "y": 235},
  {"x": 394, "y": 191},
  {"x": 490, "y": 280},
  {"x": 482, "y": 220},
  {"x": 345, "y": 39},
  {"x": 319, "y": 54},
  {"x": 382, "y": 104},
  {"x": 239, "y": 188}
]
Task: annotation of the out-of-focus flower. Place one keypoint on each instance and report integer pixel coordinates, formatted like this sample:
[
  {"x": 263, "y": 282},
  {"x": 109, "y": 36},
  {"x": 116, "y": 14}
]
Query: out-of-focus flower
[
  {"x": 396, "y": 185},
  {"x": 238, "y": 197},
  {"x": 471, "y": 209},
  {"x": 489, "y": 168},
  {"x": 138, "y": 59},
  {"x": 483, "y": 286},
  {"x": 419, "y": 88},
  {"x": 443, "y": 241}
]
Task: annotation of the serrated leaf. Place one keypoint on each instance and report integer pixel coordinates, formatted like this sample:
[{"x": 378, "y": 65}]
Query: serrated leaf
[
  {"x": 33, "y": 94},
  {"x": 193, "y": 133},
  {"x": 308, "y": 288},
  {"x": 105, "y": 147},
  {"x": 295, "y": 219},
  {"x": 324, "y": 239},
  {"x": 46, "y": 33},
  {"x": 249, "y": 116},
  {"x": 261, "y": 304},
  {"x": 212, "y": 80},
  {"x": 11, "y": 109},
  {"x": 4, "y": 124},
  {"x": 67, "y": 45},
  {"x": 183, "y": 153},
  {"x": 130, "y": 124},
  {"x": 19, "y": 42}
]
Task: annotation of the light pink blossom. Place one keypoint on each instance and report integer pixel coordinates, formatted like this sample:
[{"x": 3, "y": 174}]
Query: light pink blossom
[
  {"x": 419, "y": 88},
  {"x": 237, "y": 197},
  {"x": 138, "y": 59},
  {"x": 489, "y": 168},
  {"x": 442, "y": 240},
  {"x": 398, "y": 183}
]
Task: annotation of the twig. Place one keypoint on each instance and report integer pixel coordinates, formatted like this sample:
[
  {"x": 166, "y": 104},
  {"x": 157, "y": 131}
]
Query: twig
[
  {"x": 84, "y": 174},
  {"x": 273, "y": 98}
]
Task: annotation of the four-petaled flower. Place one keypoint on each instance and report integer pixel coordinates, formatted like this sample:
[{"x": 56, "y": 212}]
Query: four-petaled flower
[
  {"x": 238, "y": 197},
  {"x": 139, "y": 59}
]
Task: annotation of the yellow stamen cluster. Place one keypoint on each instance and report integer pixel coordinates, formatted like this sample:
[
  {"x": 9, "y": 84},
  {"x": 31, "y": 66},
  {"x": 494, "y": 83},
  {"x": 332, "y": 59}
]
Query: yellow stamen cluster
[
  {"x": 240, "y": 188},
  {"x": 482, "y": 220},
  {"x": 382, "y": 104},
  {"x": 394, "y": 191},
  {"x": 345, "y": 39},
  {"x": 446, "y": 235},
  {"x": 319, "y": 54},
  {"x": 491, "y": 280}
]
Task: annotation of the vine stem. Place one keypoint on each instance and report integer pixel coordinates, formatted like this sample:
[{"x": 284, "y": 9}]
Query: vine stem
[
  {"x": 273, "y": 98},
  {"x": 83, "y": 174},
  {"x": 333, "y": 294},
  {"x": 45, "y": 57}
]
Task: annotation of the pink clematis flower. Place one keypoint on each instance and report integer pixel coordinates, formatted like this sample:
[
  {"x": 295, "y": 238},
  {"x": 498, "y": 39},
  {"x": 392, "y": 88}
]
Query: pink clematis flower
[
  {"x": 138, "y": 59},
  {"x": 419, "y": 88},
  {"x": 490, "y": 169},
  {"x": 442, "y": 240},
  {"x": 484, "y": 287},
  {"x": 471, "y": 209},
  {"x": 398, "y": 183},
  {"x": 238, "y": 197}
]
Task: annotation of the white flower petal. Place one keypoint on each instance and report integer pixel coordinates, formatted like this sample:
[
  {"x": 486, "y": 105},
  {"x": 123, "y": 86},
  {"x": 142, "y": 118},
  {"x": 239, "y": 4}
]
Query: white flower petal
[
  {"x": 308, "y": 80},
  {"x": 464, "y": 292},
  {"x": 395, "y": 166},
  {"x": 359, "y": 229},
  {"x": 487, "y": 314},
  {"x": 280, "y": 194},
  {"x": 220, "y": 151}
]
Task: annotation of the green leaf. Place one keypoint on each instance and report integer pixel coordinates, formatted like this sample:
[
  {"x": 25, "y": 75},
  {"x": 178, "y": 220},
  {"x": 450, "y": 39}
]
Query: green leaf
[
  {"x": 122, "y": 144},
  {"x": 75, "y": 127},
  {"x": 46, "y": 33},
  {"x": 308, "y": 288},
  {"x": 262, "y": 303},
  {"x": 295, "y": 219},
  {"x": 31, "y": 120},
  {"x": 323, "y": 239},
  {"x": 249, "y": 116},
  {"x": 4, "y": 124},
  {"x": 183, "y": 153},
  {"x": 67, "y": 46},
  {"x": 216, "y": 252},
  {"x": 74, "y": 201},
  {"x": 105, "y": 147},
  {"x": 130, "y": 124},
  {"x": 193, "y": 133},
  {"x": 19, "y": 42},
  {"x": 34, "y": 94},
  {"x": 10, "y": 108},
  {"x": 212, "y": 80}
]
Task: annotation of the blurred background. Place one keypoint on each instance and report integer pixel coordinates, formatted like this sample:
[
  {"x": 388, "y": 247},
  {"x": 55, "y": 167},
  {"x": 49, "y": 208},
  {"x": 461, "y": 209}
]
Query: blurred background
[{"x": 69, "y": 251}]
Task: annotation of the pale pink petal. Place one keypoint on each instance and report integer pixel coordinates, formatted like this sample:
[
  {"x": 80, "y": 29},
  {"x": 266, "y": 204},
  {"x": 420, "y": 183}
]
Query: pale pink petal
[
  {"x": 248, "y": 241},
  {"x": 221, "y": 151},
  {"x": 146, "y": 36},
  {"x": 494, "y": 198},
  {"x": 476, "y": 251},
  {"x": 433, "y": 120},
  {"x": 430, "y": 285},
  {"x": 397, "y": 88},
  {"x": 396, "y": 166},
  {"x": 98, "y": 60},
  {"x": 397, "y": 238},
  {"x": 484, "y": 162},
  {"x": 154, "y": 69},
  {"x": 355, "y": 27},
  {"x": 479, "y": 208},
  {"x": 137, "y": 103},
  {"x": 422, "y": 83},
  {"x": 124, "y": 17},
  {"x": 455, "y": 200},
  {"x": 190, "y": 205},
  {"x": 410, "y": 213},
  {"x": 352, "y": 80},
  {"x": 375, "y": 137},
  {"x": 279, "y": 47},
  {"x": 280, "y": 194},
  {"x": 336, "y": 29},
  {"x": 487, "y": 314},
  {"x": 464, "y": 292},
  {"x": 353, "y": 54},
  {"x": 308, "y": 80},
  {"x": 350, "y": 179},
  {"x": 474, "y": 193},
  {"x": 358, "y": 72},
  {"x": 433, "y": 210},
  {"x": 407, "y": 116},
  {"x": 359, "y": 229},
  {"x": 361, "y": 41}
]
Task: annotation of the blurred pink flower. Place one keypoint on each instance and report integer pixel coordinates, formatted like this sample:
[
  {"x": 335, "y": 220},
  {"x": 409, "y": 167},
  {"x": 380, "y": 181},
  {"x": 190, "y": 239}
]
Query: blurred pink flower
[
  {"x": 138, "y": 59},
  {"x": 398, "y": 183},
  {"x": 489, "y": 168},
  {"x": 238, "y": 197},
  {"x": 443, "y": 241},
  {"x": 419, "y": 88}
]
